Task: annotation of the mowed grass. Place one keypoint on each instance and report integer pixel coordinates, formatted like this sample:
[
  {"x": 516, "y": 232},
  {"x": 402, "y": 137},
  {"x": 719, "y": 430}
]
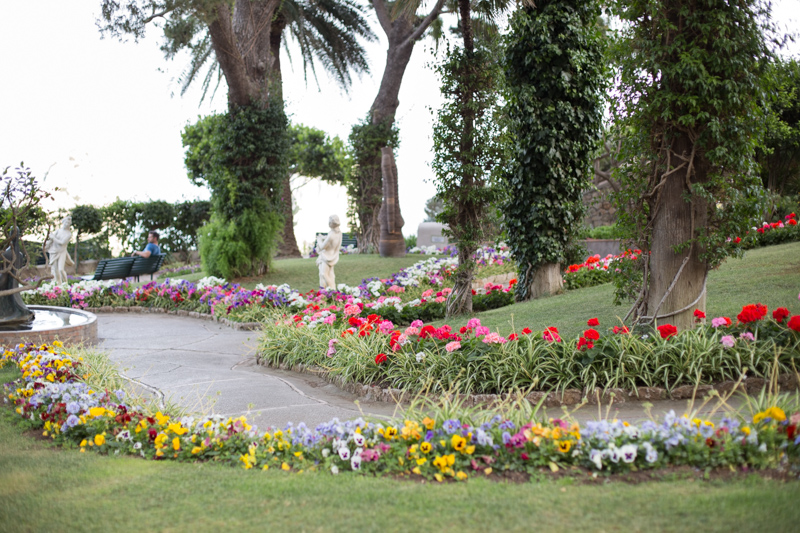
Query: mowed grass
[
  {"x": 45, "y": 488},
  {"x": 768, "y": 275}
]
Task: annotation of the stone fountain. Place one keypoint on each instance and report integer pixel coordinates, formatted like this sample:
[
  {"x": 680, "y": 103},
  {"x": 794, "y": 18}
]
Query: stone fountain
[{"x": 38, "y": 324}]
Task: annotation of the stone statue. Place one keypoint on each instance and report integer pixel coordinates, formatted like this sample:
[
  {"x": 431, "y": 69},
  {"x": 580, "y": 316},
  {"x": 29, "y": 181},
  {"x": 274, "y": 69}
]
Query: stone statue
[
  {"x": 13, "y": 313},
  {"x": 392, "y": 243},
  {"x": 328, "y": 250},
  {"x": 57, "y": 249}
]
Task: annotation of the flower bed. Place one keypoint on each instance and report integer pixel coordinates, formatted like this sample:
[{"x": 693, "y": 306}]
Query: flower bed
[
  {"x": 431, "y": 443},
  {"x": 360, "y": 346}
]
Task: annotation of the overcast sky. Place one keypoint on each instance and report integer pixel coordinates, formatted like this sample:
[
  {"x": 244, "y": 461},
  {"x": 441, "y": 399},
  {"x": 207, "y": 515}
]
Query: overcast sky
[{"x": 103, "y": 119}]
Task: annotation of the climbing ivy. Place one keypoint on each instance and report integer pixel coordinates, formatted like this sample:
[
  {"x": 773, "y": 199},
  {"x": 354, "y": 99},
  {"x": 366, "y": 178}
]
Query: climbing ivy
[
  {"x": 466, "y": 153},
  {"x": 554, "y": 72},
  {"x": 242, "y": 157}
]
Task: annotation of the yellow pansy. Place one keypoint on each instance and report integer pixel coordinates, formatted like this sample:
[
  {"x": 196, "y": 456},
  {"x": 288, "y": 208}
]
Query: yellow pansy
[
  {"x": 425, "y": 447},
  {"x": 177, "y": 428},
  {"x": 461, "y": 476},
  {"x": 416, "y": 470},
  {"x": 458, "y": 442},
  {"x": 564, "y": 445},
  {"x": 196, "y": 450},
  {"x": 285, "y": 466},
  {"x": 428, "y": 422},
  {"x": 161, "y": 418},
  {"x": 421, "y": 461},
  {"x": 176, "y": 444},
  {"x": 100, "y": 439}
]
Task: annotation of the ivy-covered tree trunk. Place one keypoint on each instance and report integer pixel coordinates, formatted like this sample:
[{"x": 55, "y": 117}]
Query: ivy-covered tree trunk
[
  {"x": 690, "y": 104},
  {"x": 402, "y": 31},
  {"x": 554, "y": 79}
]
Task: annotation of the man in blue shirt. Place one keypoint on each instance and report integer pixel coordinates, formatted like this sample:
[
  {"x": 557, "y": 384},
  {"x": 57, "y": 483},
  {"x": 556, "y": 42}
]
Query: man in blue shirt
[{"x": 152, "y": 247}]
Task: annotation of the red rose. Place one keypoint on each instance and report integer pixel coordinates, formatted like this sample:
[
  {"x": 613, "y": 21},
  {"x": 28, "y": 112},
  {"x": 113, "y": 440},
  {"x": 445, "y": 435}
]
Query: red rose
[
  {"x": 591, "y": 334},
  {"x": 526, "y": 331},
  {"x": 513, "y": 337},
  {"x": 779, "y": 314},
  {"x": 699, "y": 315},
  {"x": 593, "y": 322},
  {"x": 380, "y": 358},
  {"x": 794, "y": 323},
  {"x": 667, "y": 331}
]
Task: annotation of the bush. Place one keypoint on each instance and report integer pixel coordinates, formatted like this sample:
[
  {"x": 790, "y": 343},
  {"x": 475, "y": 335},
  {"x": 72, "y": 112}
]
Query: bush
[
  {"x": 604, "y": 232},
  {"x": 239, "y": 247}
]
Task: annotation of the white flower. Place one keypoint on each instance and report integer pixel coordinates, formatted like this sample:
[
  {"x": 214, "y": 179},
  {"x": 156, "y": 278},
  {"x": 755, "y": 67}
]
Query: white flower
[
  {"x": 596, "y": 456},
  {"x": 355, "y": 462},
  {"x": 763, "y": 447},
  {"x": 334, "y": 469},
  {"x": 344, "y": 453},
  {"x": 326, "y": 452},
  {"x": 359, "y": 439},
  {"x": 137, "y": 446},
  {"x": 628, "y": 453},
  {"x": 652, "y": 456},
  {"x": 420, "y": 357}
]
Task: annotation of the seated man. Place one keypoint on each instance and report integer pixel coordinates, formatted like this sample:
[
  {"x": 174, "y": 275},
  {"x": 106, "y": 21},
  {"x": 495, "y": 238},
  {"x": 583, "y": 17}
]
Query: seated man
[{"x": 152, "y": 247}]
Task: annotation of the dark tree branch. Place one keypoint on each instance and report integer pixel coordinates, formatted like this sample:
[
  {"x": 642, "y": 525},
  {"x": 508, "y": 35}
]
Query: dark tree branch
[{"x": 426, "y": 22}]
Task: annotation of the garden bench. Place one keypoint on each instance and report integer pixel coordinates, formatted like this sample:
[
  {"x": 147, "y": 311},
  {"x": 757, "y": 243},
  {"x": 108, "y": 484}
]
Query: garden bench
[
  {"x": 347, "y": 239},
  {"x": 125, "y": 267}
]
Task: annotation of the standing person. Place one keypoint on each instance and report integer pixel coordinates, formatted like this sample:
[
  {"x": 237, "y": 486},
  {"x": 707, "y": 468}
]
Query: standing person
[{"x": 152, "y": 247}]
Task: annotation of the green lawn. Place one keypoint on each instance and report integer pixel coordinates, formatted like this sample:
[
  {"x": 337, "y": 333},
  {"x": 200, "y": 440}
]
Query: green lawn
[
  {"x": 43, "y": 488},
  {"x": 768, "y": 275}
]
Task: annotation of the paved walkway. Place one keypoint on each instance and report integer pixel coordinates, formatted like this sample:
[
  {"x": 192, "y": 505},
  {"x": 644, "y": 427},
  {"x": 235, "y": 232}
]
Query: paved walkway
[{"x": 210, "y": 368}]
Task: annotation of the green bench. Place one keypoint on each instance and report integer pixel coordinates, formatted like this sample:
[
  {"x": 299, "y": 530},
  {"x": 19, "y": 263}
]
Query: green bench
[
  {"x": 347, "y": 239},
  {"x": 126, "y": 267}
]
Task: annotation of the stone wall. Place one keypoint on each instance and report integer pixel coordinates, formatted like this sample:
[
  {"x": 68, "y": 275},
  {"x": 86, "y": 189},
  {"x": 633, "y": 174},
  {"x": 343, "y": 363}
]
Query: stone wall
[{"x": 600, "y": 210}]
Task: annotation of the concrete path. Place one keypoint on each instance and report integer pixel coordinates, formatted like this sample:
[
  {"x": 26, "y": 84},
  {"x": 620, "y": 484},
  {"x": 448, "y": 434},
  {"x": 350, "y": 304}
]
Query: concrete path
[{"x": 207, "y": 367}]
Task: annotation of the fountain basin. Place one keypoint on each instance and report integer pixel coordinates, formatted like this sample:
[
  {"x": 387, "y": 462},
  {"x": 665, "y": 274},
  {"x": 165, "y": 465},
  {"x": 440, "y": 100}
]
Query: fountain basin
[{"x": 70, "y": 326}]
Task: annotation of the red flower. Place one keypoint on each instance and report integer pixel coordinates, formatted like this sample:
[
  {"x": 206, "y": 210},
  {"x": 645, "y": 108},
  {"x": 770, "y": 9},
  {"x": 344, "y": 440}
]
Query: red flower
[
  {"x": 791, "y": 431},
  {"x": 794, "y": 323},
  {"x": 526, "y": 331},
  {"x": 593, "y": 322},
  {"x": 752, "y": 313},
  {"x": 667, "y": 331},
  {"x": 473, "y": 292},
  {"x": 512, "y": 282},
  {"x": 737, "y": 240},
  {"x": 463, "y": 329},
  {"x": 591, "y": 334},
  {"x": 698, "y": 315},
  {"x": 792, "y": 222},
  {"x": 380, "y": 358},
  {"x": 583, "y": 342},
  {"x": 710, "y": 442},
  {"x": 513, "y": 337},
  {"x": 620, "y": 330},
  {"x": 779, "y": 314}
]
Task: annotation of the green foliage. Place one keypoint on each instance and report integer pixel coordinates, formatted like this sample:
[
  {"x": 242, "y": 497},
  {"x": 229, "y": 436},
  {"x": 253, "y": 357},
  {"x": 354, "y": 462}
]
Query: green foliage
[
  {"x": 189, "y": 216},
  {"x": 235, "y": 248},
  {"x": 433, "y": 206},
  {"x": 585, "y": 278},
  {"x": 411, "y": 241},
  {"x": 364, "y": 189},
  {"x": 242, "y": 157},
  {"x": 466, "y": 152},
  {"x": 690, "y": 100},
  {"x": 554, "y": 73},
  {"x": 313, "y": 154},
  {"x": 87, "y": 219},
  {"x": 604, "y": 232},
  {"x": 779, "y": 156}
]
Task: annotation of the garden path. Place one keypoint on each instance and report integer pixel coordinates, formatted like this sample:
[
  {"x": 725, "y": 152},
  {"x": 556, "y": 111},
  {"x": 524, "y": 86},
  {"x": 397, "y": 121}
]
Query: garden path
[{"x": 208, "y": 367}]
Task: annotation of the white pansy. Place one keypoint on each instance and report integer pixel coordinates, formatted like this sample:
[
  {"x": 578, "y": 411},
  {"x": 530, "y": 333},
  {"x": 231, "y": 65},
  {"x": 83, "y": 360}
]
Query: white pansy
[
  {"x": 334, "y": 469},
  {"x": 359, "y": 439},
  {"x": 344, "y": 453}
]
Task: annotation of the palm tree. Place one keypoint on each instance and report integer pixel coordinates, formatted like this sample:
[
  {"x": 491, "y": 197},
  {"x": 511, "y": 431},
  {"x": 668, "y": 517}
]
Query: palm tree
[{"x": 243, "y": 46}]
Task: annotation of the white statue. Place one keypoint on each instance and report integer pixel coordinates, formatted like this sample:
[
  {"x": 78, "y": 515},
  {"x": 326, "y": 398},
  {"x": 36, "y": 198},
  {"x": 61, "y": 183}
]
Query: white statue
[
  {"x": 57, "y": 249},
  {"x": 328, "y": 250}
]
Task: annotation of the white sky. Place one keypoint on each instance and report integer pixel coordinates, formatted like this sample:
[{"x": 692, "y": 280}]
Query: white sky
[{"x": 105, "y": 117}]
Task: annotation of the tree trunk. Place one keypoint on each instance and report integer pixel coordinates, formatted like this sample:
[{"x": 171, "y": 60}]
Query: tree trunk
[
  {"x": 460, "y": 300},
  {"x": 402, "y": 33},
  {"x": 546, "y": 281},
  {"x": 677, "y": 221},
  {"x": 288, "y": 245}
]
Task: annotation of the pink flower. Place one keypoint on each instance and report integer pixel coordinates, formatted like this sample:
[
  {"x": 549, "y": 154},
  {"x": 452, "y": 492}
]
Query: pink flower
[
  {"x": 452, "y": 346},
  {"x": 332, "y": 347},
  {"x": 411, "y": 330},
  {"x": 440, "y": 299},
  {"x": 719, "y": 321},
  {"x": 728, "y": 341},
  {"x": 386, "y": 327},
  {"x": 747, "y": 336},
  {"x": 416, "y": 324},
  {"x": 473, "y": 323},
  {"x": 446, "y": 291},
  {"x": 351, "y": 310},
  {"x": 396, "y": 289},
  {"x": 494, "y": 338},
  {"x": 481, "y": 330},
  {"x": 427, "y": 293},
  {"x": 330, "y": 319}
]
